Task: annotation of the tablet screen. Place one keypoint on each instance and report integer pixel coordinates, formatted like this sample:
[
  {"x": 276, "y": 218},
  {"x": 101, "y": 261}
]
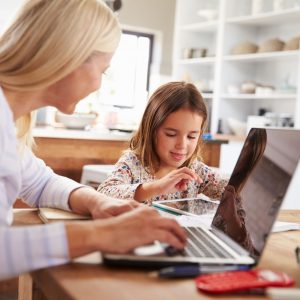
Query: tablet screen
[{"x": 188, "y": 206}]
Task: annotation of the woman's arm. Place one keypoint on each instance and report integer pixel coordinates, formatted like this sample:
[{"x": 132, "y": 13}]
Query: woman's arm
[
  {"x": 87, "y": 201},
  {"x": 28, "y": 248},
  {"x": 55, "y": 244},
  {"x": 41, "y": 187}
]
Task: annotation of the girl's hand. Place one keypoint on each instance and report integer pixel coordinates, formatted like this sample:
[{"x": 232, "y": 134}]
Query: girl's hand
[{"x": 176, "y": 180}]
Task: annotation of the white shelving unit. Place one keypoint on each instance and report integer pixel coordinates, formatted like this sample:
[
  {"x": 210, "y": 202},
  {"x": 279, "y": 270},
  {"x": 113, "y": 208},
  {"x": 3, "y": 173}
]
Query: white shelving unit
[
  {"x": 288, "y": 15},
  {"x": 261, "y": 57},
  {"x": 235, "y": 24},
  {"x": 197, "y": 61},
  {"x": 209, "y": 26},
  {"x": 258, "y": 97}
]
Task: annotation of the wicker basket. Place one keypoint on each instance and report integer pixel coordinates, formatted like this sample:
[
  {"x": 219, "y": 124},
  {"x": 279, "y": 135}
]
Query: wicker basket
[
  {"x": 292, "y": 44},
  {"x": 271, "y": 45},
  {"x": 244, "y": 48}
]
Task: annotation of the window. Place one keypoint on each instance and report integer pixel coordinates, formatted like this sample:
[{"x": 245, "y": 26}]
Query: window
[
  {"x": 129, "y": 73},
  {"x": 126, "y": 82}
]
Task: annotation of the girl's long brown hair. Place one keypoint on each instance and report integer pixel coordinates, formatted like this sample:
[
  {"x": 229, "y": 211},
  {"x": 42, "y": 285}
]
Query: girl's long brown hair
[{"x": 167, "y": 99}]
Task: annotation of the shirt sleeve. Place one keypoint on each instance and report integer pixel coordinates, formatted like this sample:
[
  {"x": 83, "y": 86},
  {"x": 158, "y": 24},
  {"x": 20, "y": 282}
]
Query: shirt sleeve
[
  {"x": 41, "y": 187},
  {"x": 213, "y": 182},
  {"x": 120, "y": 183},
  {"x": 28, "y": 248}
]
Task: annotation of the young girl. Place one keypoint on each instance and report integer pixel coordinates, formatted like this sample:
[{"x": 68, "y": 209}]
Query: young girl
[{"x": 164, "y": 160}]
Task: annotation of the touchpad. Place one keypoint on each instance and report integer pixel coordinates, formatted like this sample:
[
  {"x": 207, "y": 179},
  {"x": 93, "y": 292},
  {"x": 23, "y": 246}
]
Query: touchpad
[{"x": 149, "y": 250}]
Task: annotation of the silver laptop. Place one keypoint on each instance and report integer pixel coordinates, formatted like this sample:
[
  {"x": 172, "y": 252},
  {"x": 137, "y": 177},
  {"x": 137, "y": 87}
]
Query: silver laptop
[{"x": 261, "y": 177}]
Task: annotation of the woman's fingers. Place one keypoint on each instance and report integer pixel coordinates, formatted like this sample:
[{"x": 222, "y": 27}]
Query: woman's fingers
[
  {"x": 172, "y": 226},
  {"x": 167, "y": 225},
  {"x": 169, "y": 238},
  {"x": 149, "y": 226}
]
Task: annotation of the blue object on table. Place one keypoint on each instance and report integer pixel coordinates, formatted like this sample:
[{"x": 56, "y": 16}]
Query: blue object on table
[
  {"x": 206, "y": 136},
  {"x": 195, "y": 270}
]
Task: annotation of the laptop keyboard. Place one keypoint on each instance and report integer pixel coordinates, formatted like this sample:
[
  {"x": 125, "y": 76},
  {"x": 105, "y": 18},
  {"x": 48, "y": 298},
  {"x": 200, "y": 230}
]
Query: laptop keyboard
[{"x": 200, "y": 244}]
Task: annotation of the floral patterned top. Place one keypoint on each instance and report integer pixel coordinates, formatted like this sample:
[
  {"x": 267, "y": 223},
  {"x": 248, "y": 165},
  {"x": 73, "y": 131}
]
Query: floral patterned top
[{"x": 129, "y": 173}]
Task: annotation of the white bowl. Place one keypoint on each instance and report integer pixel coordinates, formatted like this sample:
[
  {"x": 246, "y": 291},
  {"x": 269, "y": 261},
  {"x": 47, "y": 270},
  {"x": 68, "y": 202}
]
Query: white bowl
[
  {"x": 208, "y": 14},
  {"x": 76, "y": 120},
  {"x": 237, "y": 127}
]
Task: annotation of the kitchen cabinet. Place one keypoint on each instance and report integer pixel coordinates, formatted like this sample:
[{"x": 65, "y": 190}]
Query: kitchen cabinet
[
  {"x": 67, "y": 156},
  {"x": 221, "y": 73}
]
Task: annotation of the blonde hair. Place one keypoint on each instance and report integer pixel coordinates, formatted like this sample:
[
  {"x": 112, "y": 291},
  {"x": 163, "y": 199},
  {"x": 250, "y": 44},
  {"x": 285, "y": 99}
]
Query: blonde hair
[
  {"x": 51, "y": 38},
  {"x": 167, "y": 99}
]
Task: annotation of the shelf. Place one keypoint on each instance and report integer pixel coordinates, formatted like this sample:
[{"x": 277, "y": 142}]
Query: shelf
[
  {"x": 210, "y": 26},
  {"x": 269, "y": 18},
  {"x": 259, "y": 97},
  {"x": 279, "y": 55},
  {"x": 196, "y": 61},
  {"x": 229, "y": 137},
  {"x": 223, "y": 68}
]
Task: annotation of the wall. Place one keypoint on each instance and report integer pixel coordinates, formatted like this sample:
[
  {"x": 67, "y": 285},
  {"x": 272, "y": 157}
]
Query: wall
[
  {"x": 157, "y": 15},
  {"x": 7, "y": 11}
]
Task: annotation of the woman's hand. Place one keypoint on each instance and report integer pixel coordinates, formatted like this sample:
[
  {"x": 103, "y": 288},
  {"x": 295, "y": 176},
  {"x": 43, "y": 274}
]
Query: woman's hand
[
  {"x": 176, "y": 180},
  {"x": 123, "y": 233},
  {"x": 87, "y": 201},
  {"x": 106, "y": 206}
]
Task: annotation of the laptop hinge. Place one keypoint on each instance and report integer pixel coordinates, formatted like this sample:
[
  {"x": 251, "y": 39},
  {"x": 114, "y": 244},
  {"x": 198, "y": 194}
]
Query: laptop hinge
[{"x": 229, "y": 241}]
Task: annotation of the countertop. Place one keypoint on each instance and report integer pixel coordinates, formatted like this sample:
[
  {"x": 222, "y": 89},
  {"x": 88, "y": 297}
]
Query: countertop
[
  {"x": 93, "y": 134},
  {"x": 99, "y": 134}
]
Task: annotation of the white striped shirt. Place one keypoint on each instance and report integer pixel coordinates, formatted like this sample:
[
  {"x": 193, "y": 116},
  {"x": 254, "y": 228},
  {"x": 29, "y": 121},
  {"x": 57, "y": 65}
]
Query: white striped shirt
[{"x": 25, "y": 176}]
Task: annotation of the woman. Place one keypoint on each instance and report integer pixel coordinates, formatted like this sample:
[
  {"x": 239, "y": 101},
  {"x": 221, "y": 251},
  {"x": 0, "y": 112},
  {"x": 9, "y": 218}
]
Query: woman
[{"x": 54, "y": 54}]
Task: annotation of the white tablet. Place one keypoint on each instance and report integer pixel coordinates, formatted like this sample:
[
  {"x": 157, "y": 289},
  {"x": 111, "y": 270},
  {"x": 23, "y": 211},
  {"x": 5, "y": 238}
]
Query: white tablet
[{"x": 201, "y": 205}]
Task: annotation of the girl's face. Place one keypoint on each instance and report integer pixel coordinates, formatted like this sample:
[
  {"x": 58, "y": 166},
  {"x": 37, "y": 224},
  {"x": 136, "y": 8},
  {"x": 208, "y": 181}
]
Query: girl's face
[
  {"x": 177, "y": 138},
  {"x": 67, "y": 92}
]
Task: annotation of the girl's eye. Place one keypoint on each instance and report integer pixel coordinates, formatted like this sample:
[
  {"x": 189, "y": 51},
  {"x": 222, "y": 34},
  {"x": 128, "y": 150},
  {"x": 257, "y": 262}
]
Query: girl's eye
[
  {"x": 191, "y": 137},
  {"x": 170, "y": 134}
]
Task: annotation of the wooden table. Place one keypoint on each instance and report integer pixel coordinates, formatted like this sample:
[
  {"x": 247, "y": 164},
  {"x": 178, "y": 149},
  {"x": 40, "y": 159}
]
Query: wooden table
[{"x": 89, "y": 282}]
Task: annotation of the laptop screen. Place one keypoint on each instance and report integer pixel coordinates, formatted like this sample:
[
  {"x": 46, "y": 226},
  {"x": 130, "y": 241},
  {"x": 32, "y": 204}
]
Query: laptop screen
[{"x": 260, "y": 179}]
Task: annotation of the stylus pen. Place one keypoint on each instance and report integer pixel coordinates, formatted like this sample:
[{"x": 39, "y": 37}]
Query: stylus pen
[{"x": 193, "y": 270}]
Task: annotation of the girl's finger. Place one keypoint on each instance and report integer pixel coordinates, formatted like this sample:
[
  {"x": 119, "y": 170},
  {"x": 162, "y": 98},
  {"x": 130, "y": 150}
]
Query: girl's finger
[{"x": 194, "y": 175}]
